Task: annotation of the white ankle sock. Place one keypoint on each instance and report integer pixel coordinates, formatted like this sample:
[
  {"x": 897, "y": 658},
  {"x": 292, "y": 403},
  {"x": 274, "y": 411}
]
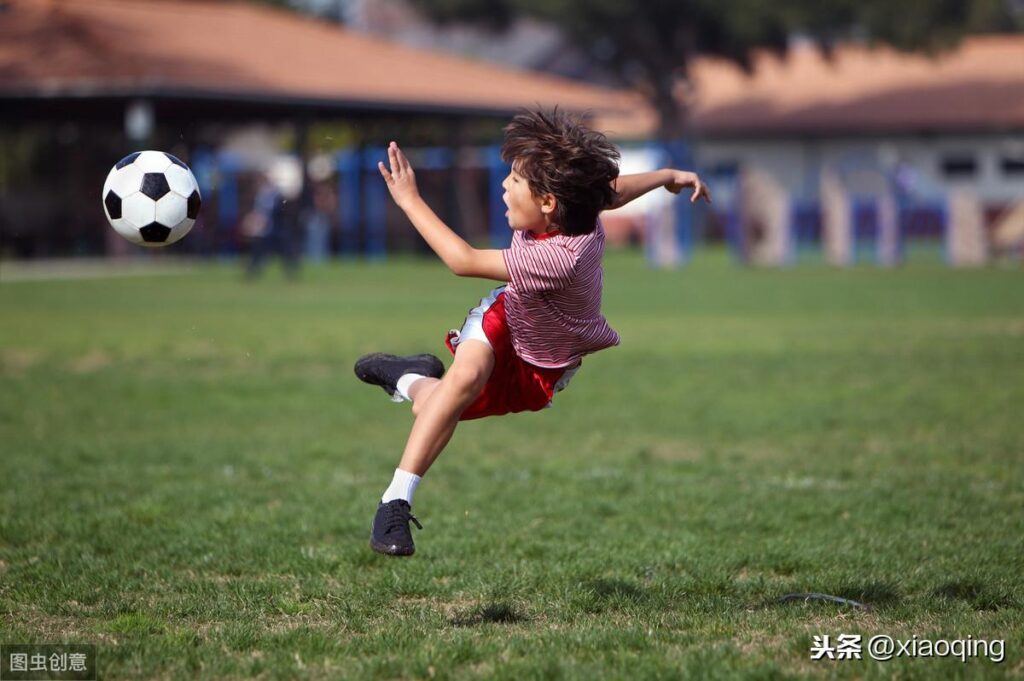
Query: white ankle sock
[
  {"x": 403, "y": 486},
  {"x": 405, "y": 382}
]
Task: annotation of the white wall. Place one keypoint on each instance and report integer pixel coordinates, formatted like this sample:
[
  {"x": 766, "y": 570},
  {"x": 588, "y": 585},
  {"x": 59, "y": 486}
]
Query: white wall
[{"x": 796, "y": 163}]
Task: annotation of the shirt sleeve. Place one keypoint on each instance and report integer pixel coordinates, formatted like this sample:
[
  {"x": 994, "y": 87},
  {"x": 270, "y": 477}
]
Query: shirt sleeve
[{"x": 540, "y": 267}]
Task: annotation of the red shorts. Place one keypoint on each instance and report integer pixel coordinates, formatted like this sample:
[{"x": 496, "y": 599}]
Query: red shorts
[{"x": 514, "y": 385}]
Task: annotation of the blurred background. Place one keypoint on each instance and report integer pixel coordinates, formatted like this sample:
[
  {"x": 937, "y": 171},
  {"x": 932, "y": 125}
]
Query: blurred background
[{"x": 841, "y": 132}]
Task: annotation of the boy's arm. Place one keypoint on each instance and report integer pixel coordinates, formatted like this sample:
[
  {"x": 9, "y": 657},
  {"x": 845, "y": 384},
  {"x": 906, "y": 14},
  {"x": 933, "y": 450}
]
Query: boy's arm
[
  {"x": 461, "y": 258},
  {"x": 629, "y": 187}
]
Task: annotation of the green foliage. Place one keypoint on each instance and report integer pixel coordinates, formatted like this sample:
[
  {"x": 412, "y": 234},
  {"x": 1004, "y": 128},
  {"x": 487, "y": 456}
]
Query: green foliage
[{"x": 189, "y": 471}]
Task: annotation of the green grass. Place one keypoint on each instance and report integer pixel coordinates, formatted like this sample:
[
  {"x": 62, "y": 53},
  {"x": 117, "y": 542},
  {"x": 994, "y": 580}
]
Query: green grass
[{"x": 189, "y": 470}]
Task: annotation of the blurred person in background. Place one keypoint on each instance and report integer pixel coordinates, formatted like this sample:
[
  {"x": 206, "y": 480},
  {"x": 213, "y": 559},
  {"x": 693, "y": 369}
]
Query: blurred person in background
[
  {"x": 319, "y": 222},
  {"x": 271, "y": 226}
]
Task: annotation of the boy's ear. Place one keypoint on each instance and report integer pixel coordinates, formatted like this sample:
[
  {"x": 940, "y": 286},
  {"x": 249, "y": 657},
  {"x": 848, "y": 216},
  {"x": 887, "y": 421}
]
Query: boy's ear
[{"x": 548, "y": 203}]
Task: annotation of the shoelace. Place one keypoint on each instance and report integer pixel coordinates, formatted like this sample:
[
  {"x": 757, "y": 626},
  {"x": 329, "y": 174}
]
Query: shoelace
[{"x": 399, "y": 517}]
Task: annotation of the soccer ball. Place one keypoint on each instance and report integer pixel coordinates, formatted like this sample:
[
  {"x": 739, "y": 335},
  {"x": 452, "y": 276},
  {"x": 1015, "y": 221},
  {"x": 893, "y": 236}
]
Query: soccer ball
[{"x": 151, "y": 198}]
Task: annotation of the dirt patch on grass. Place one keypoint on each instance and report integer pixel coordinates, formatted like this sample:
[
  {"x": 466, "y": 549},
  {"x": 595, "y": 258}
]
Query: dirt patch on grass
[
  {"x": 673, "y": 450},
  {"x": 90, "y": 362},
  {"x": 279, "y": 624},
  {"x": 807, "y": 482},
  {"x": 16, "y": 362},
  {"x": 49, "y": 628}
]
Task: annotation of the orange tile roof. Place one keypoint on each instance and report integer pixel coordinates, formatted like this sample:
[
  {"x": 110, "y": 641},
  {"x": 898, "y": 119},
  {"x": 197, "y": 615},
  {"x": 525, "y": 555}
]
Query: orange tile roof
[
  {"x": 232, "y": 48},
  {"x": 979, "y": 85}
]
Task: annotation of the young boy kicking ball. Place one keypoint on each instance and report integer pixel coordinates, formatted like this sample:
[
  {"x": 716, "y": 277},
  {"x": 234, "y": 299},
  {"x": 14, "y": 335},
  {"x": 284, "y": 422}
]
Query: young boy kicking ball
[{"x": 527, "y": 337}]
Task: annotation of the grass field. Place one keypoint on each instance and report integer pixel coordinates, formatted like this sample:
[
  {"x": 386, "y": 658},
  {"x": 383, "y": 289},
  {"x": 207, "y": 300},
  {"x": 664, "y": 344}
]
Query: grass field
[{"x": 189, "y": 470}]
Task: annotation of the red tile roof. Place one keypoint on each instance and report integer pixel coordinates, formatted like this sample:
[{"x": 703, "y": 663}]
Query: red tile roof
[
  {"x": 219, "y": 48},
  {"x": 237, "y": 49},
  {"x": 979, "y": 86}
]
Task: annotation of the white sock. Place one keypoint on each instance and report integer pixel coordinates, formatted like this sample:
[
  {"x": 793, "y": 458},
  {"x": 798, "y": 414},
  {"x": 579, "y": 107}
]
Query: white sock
[
  {"x": 405, "y": 382},
  {"x": 403, "y": 486}
]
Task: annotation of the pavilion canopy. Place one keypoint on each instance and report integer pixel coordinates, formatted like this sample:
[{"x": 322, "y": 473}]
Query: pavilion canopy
[{"x": 230, "y": 52}]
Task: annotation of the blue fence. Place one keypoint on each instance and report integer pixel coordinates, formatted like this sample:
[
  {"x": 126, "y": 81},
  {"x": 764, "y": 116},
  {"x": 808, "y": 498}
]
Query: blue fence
[{"x": 363, "y": 206}]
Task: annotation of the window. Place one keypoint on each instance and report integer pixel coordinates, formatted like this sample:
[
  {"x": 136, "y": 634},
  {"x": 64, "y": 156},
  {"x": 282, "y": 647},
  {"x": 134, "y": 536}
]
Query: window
[
  {"x": 1013, "y": 165},
  {"x": 959, "y": 166}
]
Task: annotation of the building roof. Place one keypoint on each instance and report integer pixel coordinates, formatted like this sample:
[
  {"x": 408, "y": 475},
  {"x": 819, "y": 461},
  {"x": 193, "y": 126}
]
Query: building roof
[
  {"x": 976, "y": 87},
  {"x": 224, "y": 50},
  {"x": 234, "y": 50}
]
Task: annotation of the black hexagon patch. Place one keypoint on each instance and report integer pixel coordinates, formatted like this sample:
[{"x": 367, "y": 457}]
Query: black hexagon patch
[
  {"x": 175, "y": 161},
  {"x": 155, "y": 233},
  {"x": 193, "y": 204},
  {"x": 113, "y": 203},
  {"x": 154, "y": 185},
  {"x": 130, "y": 158}
]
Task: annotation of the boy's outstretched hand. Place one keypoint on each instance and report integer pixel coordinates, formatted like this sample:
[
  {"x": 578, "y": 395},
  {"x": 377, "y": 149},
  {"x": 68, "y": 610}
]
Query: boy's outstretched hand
[
  {"x": 684, "y": 178},
  {"x": 401, "y": 179}
]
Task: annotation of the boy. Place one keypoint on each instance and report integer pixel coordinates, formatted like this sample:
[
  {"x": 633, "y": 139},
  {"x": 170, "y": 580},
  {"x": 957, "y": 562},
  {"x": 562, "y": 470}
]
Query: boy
[{"x": 527, "y": 338}]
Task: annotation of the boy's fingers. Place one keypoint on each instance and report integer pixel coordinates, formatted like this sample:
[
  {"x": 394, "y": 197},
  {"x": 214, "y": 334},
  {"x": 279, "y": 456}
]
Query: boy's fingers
[
  {"x": 402, "y": 159},
  {"x": 700, "y": 190},
  {"x": 393, "y": 159},
  {"x": 383, "y": 171}
]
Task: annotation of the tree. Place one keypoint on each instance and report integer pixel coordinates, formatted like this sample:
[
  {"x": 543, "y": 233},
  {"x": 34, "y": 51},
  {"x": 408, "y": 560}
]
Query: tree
[{"x": 649, "y": 44}]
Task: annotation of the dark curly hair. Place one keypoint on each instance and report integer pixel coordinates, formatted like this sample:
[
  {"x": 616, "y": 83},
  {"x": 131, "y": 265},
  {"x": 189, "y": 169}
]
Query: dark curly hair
[{"x": 558, "y": 155}]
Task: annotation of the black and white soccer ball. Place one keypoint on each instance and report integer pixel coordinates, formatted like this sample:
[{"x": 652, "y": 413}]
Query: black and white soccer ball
[{"x": 151, "y": 198}]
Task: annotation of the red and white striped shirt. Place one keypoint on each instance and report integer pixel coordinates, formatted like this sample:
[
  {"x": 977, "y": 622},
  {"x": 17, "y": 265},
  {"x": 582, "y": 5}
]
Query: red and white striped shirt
[{"x": 553, "y": 299}]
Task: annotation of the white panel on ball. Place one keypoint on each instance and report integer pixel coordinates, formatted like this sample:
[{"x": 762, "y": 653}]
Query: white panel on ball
[
  {"x": 125, "y": 181},
  {"x": 126, "y": 230},
  {"x": 180, "y": 180},
  {"x": 170, "y": 209},
  {"x": 152, "y": 162},
  {"x": 139, "y": 210},
  {"x": 181, "y": 230}
]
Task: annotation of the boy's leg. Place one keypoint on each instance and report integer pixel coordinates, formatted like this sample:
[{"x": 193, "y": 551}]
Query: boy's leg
[
  {"x": 435, "y": 422},
  {"x": 437, "y": 416},
  {"x": 420, "y": 391}
]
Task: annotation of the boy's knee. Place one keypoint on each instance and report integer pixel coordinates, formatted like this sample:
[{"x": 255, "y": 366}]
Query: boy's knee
[{"x": 469, "y": 379}]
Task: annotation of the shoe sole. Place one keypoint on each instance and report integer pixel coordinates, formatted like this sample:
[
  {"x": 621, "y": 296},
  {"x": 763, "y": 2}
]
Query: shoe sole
[
  {"x": 363, "y": 373},
  {"x": 390, "y": 549}
]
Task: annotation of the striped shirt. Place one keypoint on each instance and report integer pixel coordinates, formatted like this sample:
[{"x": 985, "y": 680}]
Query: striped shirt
[{"x": 553, "y": 299}]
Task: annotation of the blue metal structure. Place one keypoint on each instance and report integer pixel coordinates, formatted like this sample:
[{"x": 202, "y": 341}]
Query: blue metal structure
[
  {"x": 497, "y": 171},
  {"x": 228, "y": 168},
  {"x": 805, "y": 226},
  {"x": 349, "y": 200},
  {"x": 375, "y": 195}
]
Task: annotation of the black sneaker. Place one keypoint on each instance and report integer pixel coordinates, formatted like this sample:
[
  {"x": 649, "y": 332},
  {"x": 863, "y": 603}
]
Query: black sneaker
[
  {"x": 390, "y": 534},
  {"x": 384, "y": 370}
]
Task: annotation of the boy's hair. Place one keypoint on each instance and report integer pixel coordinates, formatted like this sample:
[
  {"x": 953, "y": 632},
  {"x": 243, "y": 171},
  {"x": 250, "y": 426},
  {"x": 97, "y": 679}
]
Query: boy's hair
[{"x": 558, "y": 155}]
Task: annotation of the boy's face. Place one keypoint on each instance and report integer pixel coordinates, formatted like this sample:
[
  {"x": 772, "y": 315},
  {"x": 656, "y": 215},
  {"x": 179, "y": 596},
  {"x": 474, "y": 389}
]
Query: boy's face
[{"x": 525, "y": 210}]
